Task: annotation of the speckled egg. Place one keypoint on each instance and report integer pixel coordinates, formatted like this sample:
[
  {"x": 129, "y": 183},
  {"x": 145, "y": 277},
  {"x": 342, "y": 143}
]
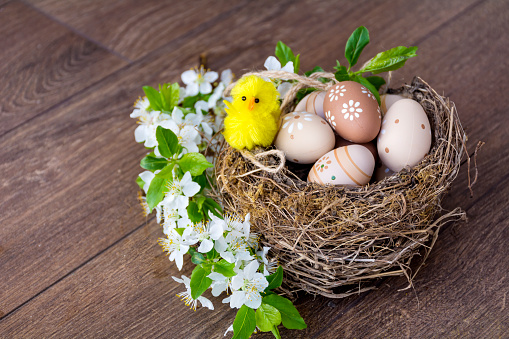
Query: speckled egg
[
  {"x": 349, "y": 165},
  {"x": 386, "y": 101},
  {"x": 304, "y": 137},
  {"x": 405, "y": 137},
  {"x": 352, "y": 111},
  {"x": 312, "y": 103}
]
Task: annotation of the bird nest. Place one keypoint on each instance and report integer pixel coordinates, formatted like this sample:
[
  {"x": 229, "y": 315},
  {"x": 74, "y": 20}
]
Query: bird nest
[{"x": 337, "y": 240}]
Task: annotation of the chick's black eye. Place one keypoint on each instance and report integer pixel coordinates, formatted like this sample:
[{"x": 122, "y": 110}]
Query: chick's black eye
[
  {"x": 244, "y": 98},
  {"x": 257, "y": 100}
]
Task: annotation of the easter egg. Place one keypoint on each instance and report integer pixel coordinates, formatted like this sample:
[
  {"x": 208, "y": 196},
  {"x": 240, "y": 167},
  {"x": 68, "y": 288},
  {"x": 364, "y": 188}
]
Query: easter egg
[
  {"x": 386, "y": 101},
  {"x": 312, "y": 103},
  {"x": 348, "y": 165},
  {"x": 405, "y": 137},
  {"x": 352, "y": 111},
  {"x": 340, "y": 142},
  {"x": 304, "y": 137}
]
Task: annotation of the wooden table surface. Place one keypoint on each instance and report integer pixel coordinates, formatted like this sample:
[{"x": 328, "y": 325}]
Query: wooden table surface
[{"x": 77, "y": 256}]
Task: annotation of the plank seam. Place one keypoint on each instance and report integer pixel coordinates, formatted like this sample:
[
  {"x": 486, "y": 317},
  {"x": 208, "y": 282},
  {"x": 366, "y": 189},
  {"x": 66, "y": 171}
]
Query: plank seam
[
  {"x": 195, "y": 31},
  {"x": 74, "y": 270},
  {"x": 77, "y": 32}
]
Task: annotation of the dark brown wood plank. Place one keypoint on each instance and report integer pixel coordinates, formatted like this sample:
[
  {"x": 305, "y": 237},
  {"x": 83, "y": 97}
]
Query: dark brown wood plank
[
  {"x": 83, "y": 156},
  {"x": 133, "y": 28},
  {"x": 43, "y": 63}
]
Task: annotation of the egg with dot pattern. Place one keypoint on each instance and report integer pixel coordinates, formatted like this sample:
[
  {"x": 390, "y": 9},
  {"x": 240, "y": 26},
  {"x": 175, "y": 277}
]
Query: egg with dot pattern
[
  {"x": 352, "y": 111},
  {"x": 405, "y": 137},
  {"x": 304, "y": 137},
  {"x": 350, "y": 165}
]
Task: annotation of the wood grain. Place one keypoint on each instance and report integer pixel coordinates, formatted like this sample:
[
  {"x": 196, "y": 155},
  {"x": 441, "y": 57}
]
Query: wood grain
[
  {"x": 133, "y": 28},
  {"x": 43, "y": 63},
  {"x": 86, "y": 265}
]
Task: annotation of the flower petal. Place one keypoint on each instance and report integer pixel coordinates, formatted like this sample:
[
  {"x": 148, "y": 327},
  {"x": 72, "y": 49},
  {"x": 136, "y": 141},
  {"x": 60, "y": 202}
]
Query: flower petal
[
  {"x": 254, "y": 301},
  {"x": 205, "y": 246},
  {"x": 251, "y": 269},
  {"x": 210, "y": 76},
  {"x": 205, "y": 303},
  {"x": 189, "y": 76},
  {"x": 192, "y": 89},
  {"x": 191, "y": 189},
  {"x": 238, "y": 299},
  {"x": 272, "y": 64},
  {"x": 289, "y": 67}
]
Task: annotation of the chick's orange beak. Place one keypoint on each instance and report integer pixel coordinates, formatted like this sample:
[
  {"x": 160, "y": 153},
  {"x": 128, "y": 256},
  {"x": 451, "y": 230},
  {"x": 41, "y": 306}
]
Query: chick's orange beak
[{"x": 251, "y": 104}]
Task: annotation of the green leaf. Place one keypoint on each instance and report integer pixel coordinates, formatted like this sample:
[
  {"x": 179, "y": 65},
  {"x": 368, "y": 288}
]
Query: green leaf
[
  {"x": 152, "y": 163},
  {"x": 190, "y": 101},
  {"x": 196, "y": 257},
  {"x": 289, "y": 315},
  {"x": 199, "y": 281},
  {"x": 244, "y": 323},
  {"x": 296, "y": 64},
  {"x": 180, "y": 230},
  {"x": 377, "y": 82},
  {"x": 303, "y": 92},
  {"x": 225, "y": 268},
  {"x": 213, "y": 254},
  {"x": 140, "y": 182},
  {"x": 314, "y": 70},
  {"x": 211, "y": 205},
  {"x": 199, "y": 202},
  {"x": 363, "y": 81},
  {"x": 153, "y": 97},
  {"x": 390, "y": 60},
  {"x": 167, "y": 172},
  {"x": 341, "y": 74},
  {"x": 275, "y": 331},
  {"x": 169, "y": 95},
  {"x": 355, "y": 44},
  {"x": 275, "y": 279},
  {"x": 193, "y": 212},
  {"x": 202, "y": 181},
  {"x": 284, "y": 54},
  {"x": 156, "y": 192},
  {"x": 168, "y": 142},
  {"x": 267, "y": 317},
  {"x": 195, "y": 163}
]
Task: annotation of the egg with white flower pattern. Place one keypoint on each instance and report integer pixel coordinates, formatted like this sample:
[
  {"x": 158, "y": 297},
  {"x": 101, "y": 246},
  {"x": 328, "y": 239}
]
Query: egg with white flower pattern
[
  {"x": 352, "y": 111},
  {"x": 304, "y": 137},
  {"x": 348, "y": 165}
]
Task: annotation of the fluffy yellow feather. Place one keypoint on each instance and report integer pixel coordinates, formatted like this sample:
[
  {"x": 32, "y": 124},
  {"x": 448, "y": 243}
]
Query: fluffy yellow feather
[{"x": 253, "y": 114}]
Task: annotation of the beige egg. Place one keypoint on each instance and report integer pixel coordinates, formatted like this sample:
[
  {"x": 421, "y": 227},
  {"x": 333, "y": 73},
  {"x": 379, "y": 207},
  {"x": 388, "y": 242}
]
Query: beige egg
[
  {"x": 312, "y": 103},
  {"x": 304, "y": 137},
  {"x": 386, "y": 101},
  {"x": 352, "y": 111},
  {"x": 349, "y": 165},
  {"x": 405, "y": 137}
]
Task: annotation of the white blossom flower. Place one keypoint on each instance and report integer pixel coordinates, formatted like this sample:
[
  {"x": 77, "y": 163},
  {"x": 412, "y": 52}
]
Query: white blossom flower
[
  {"x": 273, "y": 64},
  {"x": 220, "y": 283},
  {"x": 227, "y": 77},
  {"x": 197, "y": 119},
  {"x": 140, "y": 107},
  {"x": 205, "y": 233},
  {"x": 147, "y": 178},
  {"x": 198, "y": 81},
  {"x": 268, "y": 267},
  {"x": 176, "y": 247},
  {"x": 148, "y": 122},
  {"x": 247, "y": 286},
  {"x": 179, "y": 192},
  {"x": 188, "y": 299}
]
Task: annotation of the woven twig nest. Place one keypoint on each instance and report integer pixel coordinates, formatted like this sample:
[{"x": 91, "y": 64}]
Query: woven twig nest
[{"x": 336, "y": 240}]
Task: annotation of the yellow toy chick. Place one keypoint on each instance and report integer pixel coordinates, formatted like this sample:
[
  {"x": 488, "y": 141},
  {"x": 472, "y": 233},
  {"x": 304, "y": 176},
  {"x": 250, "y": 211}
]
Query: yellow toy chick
[{"x": 253, "y": 114}]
